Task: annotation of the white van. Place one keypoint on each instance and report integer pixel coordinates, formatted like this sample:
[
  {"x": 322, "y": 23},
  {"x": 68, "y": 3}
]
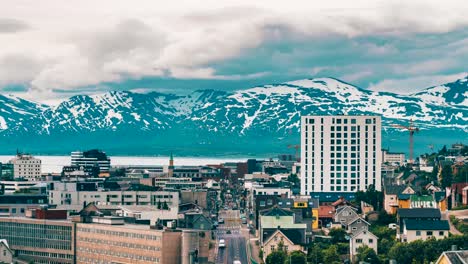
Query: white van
[{"x": 236, "y": 262}]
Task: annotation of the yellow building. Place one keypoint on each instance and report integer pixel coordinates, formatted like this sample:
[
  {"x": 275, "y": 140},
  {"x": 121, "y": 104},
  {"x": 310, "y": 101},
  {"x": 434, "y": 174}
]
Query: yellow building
[{"x": 404, "y": 201}]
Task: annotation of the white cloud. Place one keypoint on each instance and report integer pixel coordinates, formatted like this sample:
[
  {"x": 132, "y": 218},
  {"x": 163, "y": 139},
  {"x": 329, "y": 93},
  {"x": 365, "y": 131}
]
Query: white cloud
[
  {"x": 68, "y": 44},
  {"x": 414, "y": 84}
]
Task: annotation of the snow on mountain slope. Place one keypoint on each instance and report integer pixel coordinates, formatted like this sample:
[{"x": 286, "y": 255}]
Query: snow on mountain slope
[
  {"x": 265, "y": 110},
  {"x": 454, "y": 94}
]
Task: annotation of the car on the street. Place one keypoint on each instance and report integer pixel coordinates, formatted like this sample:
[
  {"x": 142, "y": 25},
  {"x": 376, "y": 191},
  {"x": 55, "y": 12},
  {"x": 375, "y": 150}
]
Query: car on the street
[
  {"x": 236, "y": 262},
  {"x": 244, "y": 221},
  {"x": 221, "y": 221},
  {"x": 222, "y": 243}
]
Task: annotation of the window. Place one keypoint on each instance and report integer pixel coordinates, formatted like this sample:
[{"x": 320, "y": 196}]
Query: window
[
  {"x": 262, "y": 203},
  {"x": 441, "y": 233},
  {"x": 358, "y": 241},
  {"x": 272, "y": 248},
  {"x": 429, "y": 233},
  {"x": 371, "y": 240}
]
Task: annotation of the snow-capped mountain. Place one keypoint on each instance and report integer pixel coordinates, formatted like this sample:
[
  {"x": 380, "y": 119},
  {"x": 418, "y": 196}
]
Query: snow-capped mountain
[{"x": 271, "y": 112}]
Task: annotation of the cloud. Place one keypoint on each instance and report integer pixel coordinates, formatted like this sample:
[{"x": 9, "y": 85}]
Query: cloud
[
  {"x": 12, "y": 25},
  {"x": 57, "y": 46},
  {"x": 415, "y": 84}
]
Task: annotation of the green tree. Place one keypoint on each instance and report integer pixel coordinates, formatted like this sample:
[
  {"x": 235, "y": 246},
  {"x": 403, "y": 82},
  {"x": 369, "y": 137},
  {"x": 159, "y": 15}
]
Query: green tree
[
  {"x": 367, "y": 254},
  {"x": 446, "y": 176},
  {"x": 276, "y": 257},
  {"x": 159, "y": 205},
  {"x": 330, "y": 255},
  {"x": 315, "y": 255},
  {"x": 296, "y": 257},
  {"x": 294, "y": 179},
  {"x": 165, "y": 206},
  {"x": 337, "y": 235}
]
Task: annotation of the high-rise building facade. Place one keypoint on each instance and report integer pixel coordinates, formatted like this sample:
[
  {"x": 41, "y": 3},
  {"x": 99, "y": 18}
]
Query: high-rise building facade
[
  {"x": 91, "y": 158},
  {"x": 27, "y": 167},
  {"x": 340, "y": 153}
]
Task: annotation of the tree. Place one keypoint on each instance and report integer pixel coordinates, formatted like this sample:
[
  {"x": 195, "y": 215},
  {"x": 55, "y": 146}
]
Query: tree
[
  {"x": 296, "y": 257},
  {"x": 370, "y": 196},
  {"x": 292, "y": 178},
  {"x": 330, "y": 255},
  {"x": 165, "y": 206},
  {"x": 367, "y": 254},
  {"x": 315, "y": 255},
  {"x": 338, "y": 235},
  {"x": 446, "y": 176},
  {"x": 159, "y": 205},
  {"x": 276, "y": 257}
]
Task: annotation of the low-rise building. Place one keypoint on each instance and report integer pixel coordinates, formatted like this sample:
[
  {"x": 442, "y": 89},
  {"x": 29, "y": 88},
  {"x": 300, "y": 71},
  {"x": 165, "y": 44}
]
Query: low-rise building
[
  {"x": 362, "y": 238},
  {"x": 18, "y": 204},
  {"x": 393, "y": 157},
  {"x": 279, "y": 239},
  {"x": 431, "y": 214},
  {"x": 391, "y": 192},
  {"x": 6, "y": 254},
  {"x": 414, "y": 229},
  {"x": 280, "y": 219},
  {"x": 345, "y": 214},
  {"x": 357, "y": 225},
  {"x": 39, "y": 240},
  {"x": 453, "y": 257}
]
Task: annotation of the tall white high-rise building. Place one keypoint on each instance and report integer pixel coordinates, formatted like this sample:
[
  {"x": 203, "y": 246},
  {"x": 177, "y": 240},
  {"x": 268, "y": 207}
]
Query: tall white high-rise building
[
  {"x": 340, "y": 153},
  {"x": 27, "y": 167}
]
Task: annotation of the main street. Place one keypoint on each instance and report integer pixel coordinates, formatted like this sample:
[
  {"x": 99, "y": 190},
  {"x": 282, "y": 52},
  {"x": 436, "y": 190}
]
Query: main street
[{"x": 230, "y": 231}]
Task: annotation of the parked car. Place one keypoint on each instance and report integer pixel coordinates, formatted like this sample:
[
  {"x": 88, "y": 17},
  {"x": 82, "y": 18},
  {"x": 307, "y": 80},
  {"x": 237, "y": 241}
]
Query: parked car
[
  {"x": 392, "y": 226},
  {"x": 222, "y": 243}
]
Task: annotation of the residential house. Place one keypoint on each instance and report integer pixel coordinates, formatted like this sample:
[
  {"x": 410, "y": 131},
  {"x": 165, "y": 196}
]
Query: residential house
[
  {"x": 345, "y": 214},
  {"x": 362, "y": 238},
  {"x": 432, "y": 188},
  {"x": 197, "y": 220},
  {"x": 453, "y": 257},
  {"x": 278, "y": 238},
  {"x": 6, "y": 254},
  {"x": 357, "y": 225},
  {"x": 326, "y": 213},
  {"x": 280, "y": 219},
  {"x": 422, "y": 201},
  {"x": 391, "y": 193},
  {"x": 403, "y": 214},
  {"x": 414, "y": 229},
  {"x": 441, "y": 199}
]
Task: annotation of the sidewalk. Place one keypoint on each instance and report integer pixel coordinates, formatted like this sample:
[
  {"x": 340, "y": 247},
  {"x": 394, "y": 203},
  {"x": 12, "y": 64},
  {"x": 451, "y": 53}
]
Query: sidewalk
[{"x": 252, "y": 249}]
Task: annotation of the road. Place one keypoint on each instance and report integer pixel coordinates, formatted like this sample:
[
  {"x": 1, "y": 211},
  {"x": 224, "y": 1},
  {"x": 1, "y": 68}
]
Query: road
[{"x": 230, "y": 231}]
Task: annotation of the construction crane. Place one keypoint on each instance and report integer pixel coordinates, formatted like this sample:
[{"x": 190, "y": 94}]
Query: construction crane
[
  {"x": 296, "y": 147},
  {"x": 412, "y": 129}
]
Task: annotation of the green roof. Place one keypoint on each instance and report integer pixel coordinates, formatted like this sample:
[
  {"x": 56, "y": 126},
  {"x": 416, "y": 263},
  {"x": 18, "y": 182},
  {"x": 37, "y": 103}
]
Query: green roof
[
  {"x": 413, "y": 224},
  {"x": 421, "y": 198}
]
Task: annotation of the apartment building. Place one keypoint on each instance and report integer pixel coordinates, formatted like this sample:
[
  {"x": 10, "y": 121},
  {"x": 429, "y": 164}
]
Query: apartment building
[
  {"x": 27, "y": 167},
  {"x": 340, "y": 153}
]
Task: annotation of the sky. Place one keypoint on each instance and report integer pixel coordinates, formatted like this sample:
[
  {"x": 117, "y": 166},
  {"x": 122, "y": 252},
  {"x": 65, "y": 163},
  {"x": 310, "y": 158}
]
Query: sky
[{"x": 53, "y": 49}]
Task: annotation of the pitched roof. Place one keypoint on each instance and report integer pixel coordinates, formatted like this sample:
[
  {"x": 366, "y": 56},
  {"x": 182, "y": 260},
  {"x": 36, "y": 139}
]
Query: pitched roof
[
  {"x": 274, "y": 234},
  {"x": 276, "y": 211},
  {"x": 326, "y": 211},
  {"x": 358, "y": 218},
  {"x": 394, "y": 189},
  {"x": 419, "y": 213},
  {"x": 365, "y": 231},
  {"x": 455, "y": 257},
  {"x": 404, "y": 196},
  {"x": 414, "y": 224}
]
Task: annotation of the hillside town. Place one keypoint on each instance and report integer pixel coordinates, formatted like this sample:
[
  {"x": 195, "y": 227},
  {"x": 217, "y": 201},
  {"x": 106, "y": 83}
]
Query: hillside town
[{"x": 340, "y": 197}]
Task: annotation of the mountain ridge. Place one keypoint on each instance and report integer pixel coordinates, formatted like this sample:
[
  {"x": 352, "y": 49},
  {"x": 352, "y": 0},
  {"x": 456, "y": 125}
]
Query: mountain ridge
[{"x": 268, "y": 111}]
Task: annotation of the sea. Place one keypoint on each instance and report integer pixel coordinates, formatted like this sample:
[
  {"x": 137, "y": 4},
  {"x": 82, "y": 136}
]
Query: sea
[{"x": 54, "y": 164}]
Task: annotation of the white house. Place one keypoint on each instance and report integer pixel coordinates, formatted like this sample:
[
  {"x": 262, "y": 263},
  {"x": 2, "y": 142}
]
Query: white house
[
  {"x": 6, "y": 254},
  {"x": 414, "y": 229},
  {"x": 363, "y": 238}
]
